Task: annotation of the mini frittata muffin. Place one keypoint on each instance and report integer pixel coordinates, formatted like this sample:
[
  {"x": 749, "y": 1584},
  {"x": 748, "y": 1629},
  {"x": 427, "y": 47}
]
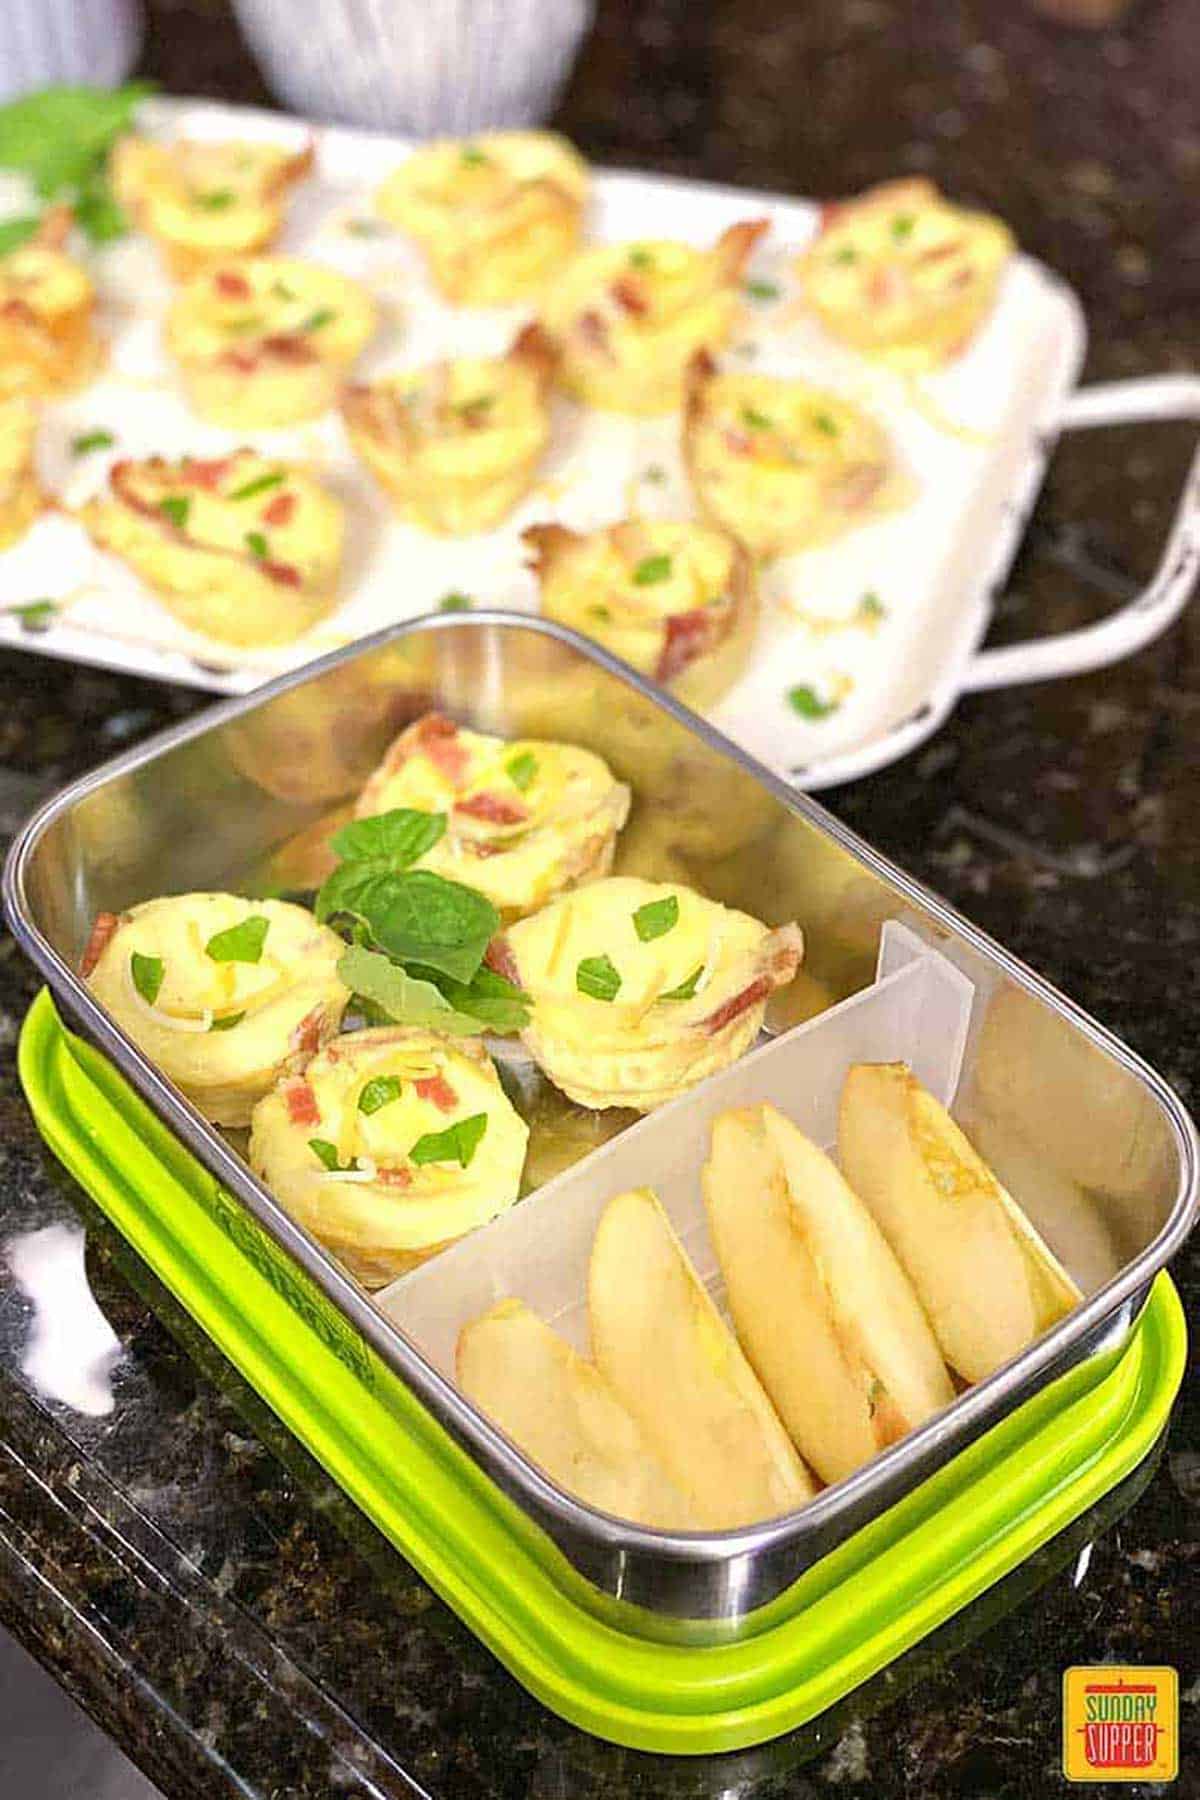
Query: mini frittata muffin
[
  {"x": 456, "y": 445},
  {"x": 20, "y": 495},
  {"x": 524, "y": 819},
  {"x": 902, "y": 274},
  {"x": 240, "y": 547},
  {"x": 497, "y": 215},
  {"x": 392, "y": 1144},
  {"x": 264, "y": 341},
  {"x": 47, "y": 338},
  {"x": 628, "y": 318},
  {"x": 641, "y": 989},
  {"x": 780, "y": 464},
  {"x": 203, "y": 202},
  {"x": 678, "y": 601},
  {"x": 224, "y": 995}
]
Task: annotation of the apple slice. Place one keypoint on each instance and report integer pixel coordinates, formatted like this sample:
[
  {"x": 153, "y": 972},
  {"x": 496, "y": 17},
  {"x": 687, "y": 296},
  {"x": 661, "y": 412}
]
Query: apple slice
[
  {"x": 676, "y": 1365},
  {"x": 985, "y": 1278},
  {"x": 558, "y": 1408},
  {"x": 824, "y": 1311}
]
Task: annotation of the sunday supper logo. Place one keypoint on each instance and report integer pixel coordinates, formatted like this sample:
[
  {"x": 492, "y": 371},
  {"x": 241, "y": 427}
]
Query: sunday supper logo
[{"x": 1120, "y": 1724}]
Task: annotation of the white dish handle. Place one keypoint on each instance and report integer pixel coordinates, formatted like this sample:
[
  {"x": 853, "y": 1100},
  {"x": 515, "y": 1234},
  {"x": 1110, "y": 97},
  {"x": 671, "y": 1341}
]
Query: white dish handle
[{"x": 1141, "y": 619}]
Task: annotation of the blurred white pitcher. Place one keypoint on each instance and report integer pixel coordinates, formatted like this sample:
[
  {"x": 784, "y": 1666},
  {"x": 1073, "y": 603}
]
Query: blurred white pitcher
[
  {"x": 47, "y": 42},
  {"x": 422, "y": 67}
]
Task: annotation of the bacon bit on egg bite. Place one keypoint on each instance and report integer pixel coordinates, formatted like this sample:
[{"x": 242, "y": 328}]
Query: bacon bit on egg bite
[
  {"x": 629, "y": 317},
  {"x": 392, "y": 1144},
  {"x": 267, "y": 340},
  {"x": 240, "y": 547},
  {"x": 778, "y": 463},
  {"x": 496, "y": 215},
  {"x": 902, "y": 274},
  {"x": 456, "y": 444},
  {"x": 525, "y": 819},
  {"x": 47, "y": 341},
  {"x": 677, "y": 601},
  {"x": 202, "y": 201}
]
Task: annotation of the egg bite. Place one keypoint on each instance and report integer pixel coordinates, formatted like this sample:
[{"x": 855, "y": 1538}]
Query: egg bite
[
  {"x": 456, "y": 445},
  {"x": 20, "y": 495},
  {"x": 390, "y": 1145},
  {"x": 780, "y": 464},
  {"x": 676, "y": 600},
  {"x": 241, "y": 547},
  {"x": 47, "y": 338},
  {"x": 496, "y": 215},
  {"x": 629, "y": 317},
  {"x": 559, "y": 1409},
  {"x": 203, "y": 202},
  {"x": 268, "y": 340},
  {"x": 641, "y": 989},
  {"x": 525, "y": 819},
  {"x": 902, "y": 274},
  {"x": 225, "y": 996}
]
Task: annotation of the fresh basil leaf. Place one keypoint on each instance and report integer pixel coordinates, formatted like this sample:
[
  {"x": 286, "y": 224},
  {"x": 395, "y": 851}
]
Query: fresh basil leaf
[
  {"x": 487, "y": 998},
  {"x": 652, "y": 569},
  {"x": 826, "y": 423},
  {"x": 339, "y": 891},
  {"x": 473, "y": 156},
  {"x": 757, "y": 421},
  {"x": 902, "y": 226},
  {"x": 97, "y": 213},
  {"x": 846, "y": 255},
  {"x": 522, "y": 770},
  {"x": 15, "y": 232},
  {"x": 147, "y": 973},
  {"x": 389, "y": 993},
  {"x": 228, "y": 1022},
  {"x": 656, "y": 918},
  {"x": 379, "y": 1092},
  {"x": 257, "y": 544},
  {"x": 262, "y": 484},
  {"x": 326, "y": 1153},
  {"x": 216, "y": 200},
  {"x": 598, "y": 977},
  {"x": 762, "y": 290},
  {"x": 91, "y": 440},
  {"x": 455, "y": 603},
  {"x": 242, "y": 943},
  {"x": 640, "y": 259},
  {"x": 34, "y": 615},
  {"x": 686, "y": 989},
  {"x": 324, "y": 315},
  {"x": 872, "y": 607},
  {"x": 176, "y": 508},
  {"x": 396, "y": 839},
  {"x": 458, "y": 1143},
  {"x": 809, "y": 704},
  {"x": 423, "y": 918},
  {"x": 59, "y": 135}
]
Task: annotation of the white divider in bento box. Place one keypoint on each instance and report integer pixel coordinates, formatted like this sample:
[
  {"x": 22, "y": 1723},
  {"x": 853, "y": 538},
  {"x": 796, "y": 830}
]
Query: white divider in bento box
[{"x": 917, "y": 1011}]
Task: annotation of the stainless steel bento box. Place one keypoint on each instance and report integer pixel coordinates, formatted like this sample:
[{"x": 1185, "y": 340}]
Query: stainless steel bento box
[{"x": 236, "y": 797}]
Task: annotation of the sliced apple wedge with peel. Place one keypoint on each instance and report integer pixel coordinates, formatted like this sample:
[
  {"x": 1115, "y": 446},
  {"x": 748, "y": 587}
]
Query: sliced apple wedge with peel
[
  {"x": 985, "y": 1278},
  {"x": 559, "y": 1409},
  {"x": 660, "y": 1340},
  {"x": 824, "y": 1311}
]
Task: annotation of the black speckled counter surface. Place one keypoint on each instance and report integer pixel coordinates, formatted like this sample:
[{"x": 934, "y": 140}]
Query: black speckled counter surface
[{"x": 178, "y": 1563}]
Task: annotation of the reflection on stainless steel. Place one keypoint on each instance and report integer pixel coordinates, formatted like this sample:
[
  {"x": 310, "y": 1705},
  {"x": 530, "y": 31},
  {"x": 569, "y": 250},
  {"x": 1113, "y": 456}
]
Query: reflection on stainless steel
[{"x": 238, "y": 798}]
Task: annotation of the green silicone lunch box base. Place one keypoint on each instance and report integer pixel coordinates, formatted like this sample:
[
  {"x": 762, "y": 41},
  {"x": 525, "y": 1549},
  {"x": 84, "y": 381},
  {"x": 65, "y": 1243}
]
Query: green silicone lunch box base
[{"x": 856, "y": 1611}]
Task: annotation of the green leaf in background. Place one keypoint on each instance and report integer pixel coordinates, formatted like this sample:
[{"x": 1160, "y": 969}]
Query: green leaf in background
[
  {"x": 656, "y": 918},
  {"x": 598, "y": 977},
  {"x": 379, "y": 1093},
  {"x": 97, "y": 212},
  {"x": 147, "y": 973},
  {"x": 59, "y": 136},
  {"x": 458, "y": 1143},
  {"x": 15, "y": 232},
  {"x": 241, "y": 943},
  {"x": 397, "y": 838}
]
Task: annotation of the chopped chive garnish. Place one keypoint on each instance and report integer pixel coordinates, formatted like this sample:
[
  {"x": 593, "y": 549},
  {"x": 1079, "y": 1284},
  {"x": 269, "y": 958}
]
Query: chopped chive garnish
[
  {"x": 598, "y": 977},
  {"x": 262, "y": 484},
  {"x": 241, "y": 943},
  {"x": 686, "y": 989},
  {"x": 147, "y": 974},
  {"x": 91, "y": 440},
  {"x": 378, "y": 1093},
  {"x": 652, "y": 569},
  {"x": 176, "y": 508},
  {"x": 458, "y": 1143},
  {"x": 522, "y": 769},
  {"x": 809, "y": 704},
  {"x": 656, "y": 918}
]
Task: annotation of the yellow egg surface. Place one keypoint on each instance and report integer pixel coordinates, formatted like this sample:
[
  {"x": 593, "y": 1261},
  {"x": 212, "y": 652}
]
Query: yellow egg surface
[
  {"x": 640, "y": 989},
  {"x": 20, "y": 495},
  {"x": 47, "y": 343},
  {"x": 267, "y": 340},
  {"x": 525, "y": 819},
  {"x": 496, "y": 215},
  {"x": 456, "y": 444},
  {"x": 392, "y": 1144},
  {"x": 900, "y": 273},
  {"x": 628, "y": 318},
  {"x": 206, "y": 200},
  {"x": 224, "y": 995},
  {"x": 242, "y": 547},
  {"x": 780, "y": 464},
  {"x": 678, "y": 601}
]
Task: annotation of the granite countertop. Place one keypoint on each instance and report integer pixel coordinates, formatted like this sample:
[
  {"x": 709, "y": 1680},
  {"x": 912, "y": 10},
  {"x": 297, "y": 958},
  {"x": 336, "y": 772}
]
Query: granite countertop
[{"x": 177, "y": 1561}]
